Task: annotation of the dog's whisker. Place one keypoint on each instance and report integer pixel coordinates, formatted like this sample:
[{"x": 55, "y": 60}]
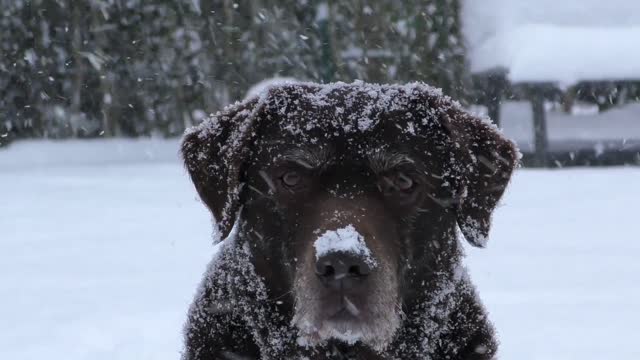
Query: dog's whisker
[
  {"x": 254, "y": 189},
  {"x": 304, "y": 164},
  {"x": 281, "y": 295},
  {"x": 445, "y": 203},
  {"x": 428, "y": 183},
  {"x": 351, "y": 307},
  {"x": 267, "y": 179},
  {"x": 290, "y": 291},
  {"x": 259, "y": 235}
]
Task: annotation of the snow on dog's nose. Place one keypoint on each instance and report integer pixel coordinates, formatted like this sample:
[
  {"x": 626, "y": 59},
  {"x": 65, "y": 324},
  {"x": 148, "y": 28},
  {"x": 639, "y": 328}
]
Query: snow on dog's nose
[
  {"x": 343, "y": 259},
  {"x": 346, "y": 240}
]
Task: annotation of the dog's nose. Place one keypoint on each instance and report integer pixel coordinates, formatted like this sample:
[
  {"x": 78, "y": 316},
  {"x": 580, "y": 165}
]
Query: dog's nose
[{"x": 339, "y": 270}]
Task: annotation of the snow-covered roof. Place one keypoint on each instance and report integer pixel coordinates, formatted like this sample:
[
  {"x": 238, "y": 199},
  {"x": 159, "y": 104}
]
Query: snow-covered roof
[{"x": 559, "y": 41}]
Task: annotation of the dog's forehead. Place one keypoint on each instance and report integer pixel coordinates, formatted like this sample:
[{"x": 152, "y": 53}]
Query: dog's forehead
[
  {"x": 377, "y": 153},
  {"x": 348, "y": 109},
  {"x": 352, "y": 120}
]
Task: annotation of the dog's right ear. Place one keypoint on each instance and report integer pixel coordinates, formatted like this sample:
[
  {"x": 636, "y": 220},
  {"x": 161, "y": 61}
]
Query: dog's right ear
[
  {"x": 214, "y": 153},
  {"x": 485, "y": 161}
]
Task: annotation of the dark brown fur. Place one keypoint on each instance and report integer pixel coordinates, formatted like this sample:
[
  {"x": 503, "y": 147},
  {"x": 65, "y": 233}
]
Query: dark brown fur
[{"x": 459, "y": 167}]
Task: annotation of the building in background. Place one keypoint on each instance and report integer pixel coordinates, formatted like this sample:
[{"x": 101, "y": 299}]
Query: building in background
[
  {"x": 99, "y": 68},
  {"x": 570, "y": 53}
]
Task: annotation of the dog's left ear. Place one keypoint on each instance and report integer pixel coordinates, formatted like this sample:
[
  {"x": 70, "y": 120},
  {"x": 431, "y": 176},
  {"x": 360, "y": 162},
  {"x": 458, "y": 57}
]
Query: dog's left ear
[
  {"x": 485, "y": 160},
  {"x": 214, "y": 153}
]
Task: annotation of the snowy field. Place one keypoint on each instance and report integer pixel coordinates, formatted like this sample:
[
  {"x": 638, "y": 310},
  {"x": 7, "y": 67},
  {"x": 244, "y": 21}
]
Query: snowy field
[{"x": 102, "y": 245}]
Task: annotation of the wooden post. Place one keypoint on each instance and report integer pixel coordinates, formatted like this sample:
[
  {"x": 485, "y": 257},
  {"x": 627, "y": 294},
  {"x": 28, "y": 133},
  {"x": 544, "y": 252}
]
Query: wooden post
[
  {"x": 541, "y": 141},
  {"x": 496, "y": 82},
  {"x": 326, "y": 49}
]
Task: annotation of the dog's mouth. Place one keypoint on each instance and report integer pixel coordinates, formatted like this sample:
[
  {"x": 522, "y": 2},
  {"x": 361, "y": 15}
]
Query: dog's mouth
[
  {"x": 347, "y": 317},
  {"x": 343, "y": 307},
  {"x": 343, "y": 315},
  {"x": 338, "y": 323}
]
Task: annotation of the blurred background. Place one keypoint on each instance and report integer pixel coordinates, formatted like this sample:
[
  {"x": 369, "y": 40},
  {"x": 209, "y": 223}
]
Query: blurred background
[
  {"x": 103, "y": 240},
  {"x": 561, "y": 78}
]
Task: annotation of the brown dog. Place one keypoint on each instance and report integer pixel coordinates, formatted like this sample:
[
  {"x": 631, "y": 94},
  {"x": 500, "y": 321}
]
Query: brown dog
[{"x": 340, "y": 205}]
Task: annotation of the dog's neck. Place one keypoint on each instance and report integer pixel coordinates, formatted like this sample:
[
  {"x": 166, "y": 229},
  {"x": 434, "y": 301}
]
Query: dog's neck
[{"x": 335, "y": 350}]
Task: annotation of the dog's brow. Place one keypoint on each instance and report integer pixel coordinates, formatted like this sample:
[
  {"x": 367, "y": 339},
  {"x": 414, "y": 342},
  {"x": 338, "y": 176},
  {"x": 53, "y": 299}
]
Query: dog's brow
[
  {"x": 381, "y": 160},
  {"x": 309, "y": 158}
]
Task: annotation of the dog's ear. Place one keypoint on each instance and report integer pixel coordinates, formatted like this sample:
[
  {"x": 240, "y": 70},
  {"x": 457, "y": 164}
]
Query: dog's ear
[
  {"x": 485, "y": 160},
  {"x": 214, "y": 153}
]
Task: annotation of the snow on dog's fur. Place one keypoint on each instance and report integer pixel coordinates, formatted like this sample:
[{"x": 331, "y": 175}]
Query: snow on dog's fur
[{"x": 341, "y": 204}]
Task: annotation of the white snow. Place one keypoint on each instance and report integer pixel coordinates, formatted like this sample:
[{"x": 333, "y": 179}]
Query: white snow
[
  {"x": 265, "y": 84},
  {"x": 35, "y": 154},
  {"x": 346, "y": 239},
  {"x": 97, "y": 261},
  {"x": 101, "y": 261},
  {"x": 559, "y": 41},
  {"x": 559, "y": 275},
  {"x": 322, "y": 12},
  {"x": 567, "y": 55}
]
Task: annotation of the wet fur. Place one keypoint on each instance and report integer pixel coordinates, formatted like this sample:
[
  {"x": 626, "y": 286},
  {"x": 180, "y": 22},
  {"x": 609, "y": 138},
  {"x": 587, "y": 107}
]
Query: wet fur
[{"x": 256, "y": 295}]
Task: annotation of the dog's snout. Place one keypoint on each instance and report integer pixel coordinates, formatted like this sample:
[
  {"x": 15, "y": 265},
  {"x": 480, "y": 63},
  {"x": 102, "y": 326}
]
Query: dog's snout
[{"x": 340, "y": 270}]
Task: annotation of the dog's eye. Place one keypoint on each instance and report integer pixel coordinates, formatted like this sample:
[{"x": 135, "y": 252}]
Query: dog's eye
[
  {"x": 403, "y": 182},
  {"x": 291, "y": 178},
  {"x": 394, "y": 183}
]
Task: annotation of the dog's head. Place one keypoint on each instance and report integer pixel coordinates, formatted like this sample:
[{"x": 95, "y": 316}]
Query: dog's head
[{"x": 348, "y": 194}]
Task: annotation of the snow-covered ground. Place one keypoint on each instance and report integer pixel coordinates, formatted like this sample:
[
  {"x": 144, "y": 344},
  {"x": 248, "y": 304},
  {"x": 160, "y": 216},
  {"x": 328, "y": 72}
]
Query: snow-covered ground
[{"x": 100, "y": 255}]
